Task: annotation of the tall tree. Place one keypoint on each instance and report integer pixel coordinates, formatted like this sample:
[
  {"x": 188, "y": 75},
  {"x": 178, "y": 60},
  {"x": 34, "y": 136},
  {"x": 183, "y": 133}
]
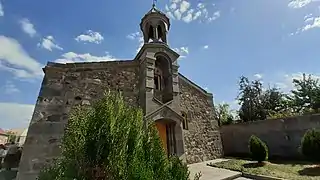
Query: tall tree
[
  {"x": 306, "y": 95},
  {"x": 274, "y": 101},
  {"x": 250, "y": 100},
  {"x": 224, "y": 114}
]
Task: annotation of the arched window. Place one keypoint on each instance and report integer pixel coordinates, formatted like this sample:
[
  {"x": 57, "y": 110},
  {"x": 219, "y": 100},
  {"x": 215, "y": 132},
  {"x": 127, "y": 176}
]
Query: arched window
[
  {"x": 157, "y": 78},
  {"x": 185, "y": 121},
  {"x": 162, "y": 79},
  {"x": 150, "y": 33}
]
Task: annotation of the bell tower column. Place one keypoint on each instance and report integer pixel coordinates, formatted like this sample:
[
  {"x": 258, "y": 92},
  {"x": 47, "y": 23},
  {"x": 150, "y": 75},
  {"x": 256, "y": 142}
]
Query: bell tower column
[{"x": 159, "y": 86}]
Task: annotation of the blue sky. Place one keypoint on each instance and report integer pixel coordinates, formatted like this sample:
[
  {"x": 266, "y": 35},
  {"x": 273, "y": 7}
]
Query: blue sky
[{"x": 218, "y": 40}]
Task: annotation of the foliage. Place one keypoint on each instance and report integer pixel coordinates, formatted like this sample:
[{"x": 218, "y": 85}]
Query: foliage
[
  {"x": 257, "y": 103},
  {"x": 11, "y": 136},
  {"x": 249, "y": 100},
  {"x": 109, "y": 141},
  {"x": 224, "y": 114},
  {"x": 258, "y": 149},
  {"x": 306, "y": 94},
  {"x": 310, "y": 144}
]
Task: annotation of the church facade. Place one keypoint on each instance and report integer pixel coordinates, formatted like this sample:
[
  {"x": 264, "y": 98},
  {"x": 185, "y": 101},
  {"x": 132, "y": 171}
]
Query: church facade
[{"x": 182, "y": 111}]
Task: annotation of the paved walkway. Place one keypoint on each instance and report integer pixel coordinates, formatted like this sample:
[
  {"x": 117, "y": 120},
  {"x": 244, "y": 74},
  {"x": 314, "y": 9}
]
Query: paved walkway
[{"x": 212, "y": 173}]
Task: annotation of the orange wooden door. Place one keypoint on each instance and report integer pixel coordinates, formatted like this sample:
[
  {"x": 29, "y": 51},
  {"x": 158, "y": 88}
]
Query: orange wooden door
[{"x": 163, "y": 134}]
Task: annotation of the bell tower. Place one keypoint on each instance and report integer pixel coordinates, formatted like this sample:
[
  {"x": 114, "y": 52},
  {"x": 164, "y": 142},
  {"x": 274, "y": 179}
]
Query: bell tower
[
  {"x": 159, "y": 86},
  {"x": 155, "y": 26}
]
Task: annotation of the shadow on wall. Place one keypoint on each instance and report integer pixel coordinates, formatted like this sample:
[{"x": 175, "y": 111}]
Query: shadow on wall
[{"x": 283, "y": 136}]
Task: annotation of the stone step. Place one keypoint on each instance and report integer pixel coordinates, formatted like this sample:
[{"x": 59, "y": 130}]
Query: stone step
[{"x": 242, "y": 178}]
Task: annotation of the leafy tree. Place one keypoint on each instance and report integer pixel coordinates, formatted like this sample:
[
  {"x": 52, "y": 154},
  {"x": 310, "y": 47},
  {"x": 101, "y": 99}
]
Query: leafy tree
[
  {"x": 11, "y": 136},
  {"x": 224, "y": 114},
  {"x": 251, "y": 108},
  {"x": 306, "y": 95},
  {"x": 276, "y": 103},
  {"x": 258, "y": 149},
  {"x": 258, "y": 103},
  {"x": 310, "y": 144},
  {"x": 109, "y": 141}
]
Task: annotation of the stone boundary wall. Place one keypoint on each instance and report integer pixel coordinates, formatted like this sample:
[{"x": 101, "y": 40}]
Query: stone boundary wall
[{"x": 283, "y": 135}]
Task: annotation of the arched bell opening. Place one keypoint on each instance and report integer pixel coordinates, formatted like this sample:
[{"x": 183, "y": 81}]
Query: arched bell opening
[
  {"x": 151, "y": 35},
  {"x": 162, "y": 32},
  {"x": 163, "y": 86},
  {"x": 155, "y": 31}
]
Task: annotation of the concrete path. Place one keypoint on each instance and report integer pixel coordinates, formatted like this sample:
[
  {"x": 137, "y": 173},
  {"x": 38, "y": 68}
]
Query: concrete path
[{"x": 212, "y": 173}]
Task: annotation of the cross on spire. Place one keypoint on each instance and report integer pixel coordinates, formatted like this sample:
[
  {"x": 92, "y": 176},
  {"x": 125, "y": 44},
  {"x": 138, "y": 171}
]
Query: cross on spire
[{"x": 154, "y": 3}]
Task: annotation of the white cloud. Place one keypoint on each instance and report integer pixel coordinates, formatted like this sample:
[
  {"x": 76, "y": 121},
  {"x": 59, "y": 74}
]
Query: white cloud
[
  {"x": 10, "y": 88},
  {"x": 315, "y": 23},
  {"x": 1, "y": 10},
  {"x": 205, "y": 47},
  {"x": 286, "y": 80},
  {"x": 184, "y": 6},
  {"x": 215, "y": 16},
  {"x": 299, "y": 3},
  {"x": 173, "y": 6},
  {"x": 72, "y": 57},
  {"x": 258, "y": 76},
  {"x": 200, "y": 5},
  {"x": 183, "y": 51},
  {"x": 134, "y": 36},
  {"x": 28, "y": 27},
  {"x": 138, "y": 37},
  {"x": 183, "y": 10},
  {"x": 15, "y": 115},
  {"x": 14, "y": 59},
  {"x": 310, "y": 23},
  {"x": 187, "y": 18},
  {"x": 90, "y": 36},
  {"x": 49, "y": 43}
]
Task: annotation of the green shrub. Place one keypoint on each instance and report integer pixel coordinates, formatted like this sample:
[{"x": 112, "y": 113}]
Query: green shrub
[
  {"x": 310, "y": 144},
  {"x": 108, "y": 141},
  {"x": 258, "y": 149}
]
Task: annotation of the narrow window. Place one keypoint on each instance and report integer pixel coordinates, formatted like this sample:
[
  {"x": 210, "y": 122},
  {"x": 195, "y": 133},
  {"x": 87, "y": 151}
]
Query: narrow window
[
  {"x": 157, "y": 79},
  {"x": 156, "y": 82},
  {"x": 185, "y": 121}
]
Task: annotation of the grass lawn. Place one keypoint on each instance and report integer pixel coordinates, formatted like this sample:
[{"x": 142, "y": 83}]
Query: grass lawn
[{"x": 286, "y": 170}]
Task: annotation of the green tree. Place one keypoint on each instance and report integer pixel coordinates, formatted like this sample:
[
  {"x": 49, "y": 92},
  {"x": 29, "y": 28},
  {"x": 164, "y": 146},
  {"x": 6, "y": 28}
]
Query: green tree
[
  {"x": 276, "y": 103},
  {"x": 109, "y": 141},
  {"x": 251, "y": 107},
  {"x": 11, "y": 136},
  {"x": 310, "y": 144},
  {"x": 306, "y": 95},
  {"x": 258, "y": 149},
  {"x": 257, "y": 103},
  {"x": 224, "y": 114}
]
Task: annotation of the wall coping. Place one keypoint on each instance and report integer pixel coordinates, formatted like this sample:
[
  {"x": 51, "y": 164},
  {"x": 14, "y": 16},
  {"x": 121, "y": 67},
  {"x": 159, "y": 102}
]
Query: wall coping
[
  {"x": 273, "y": 119},
  {"x": 87, "y": 65}
]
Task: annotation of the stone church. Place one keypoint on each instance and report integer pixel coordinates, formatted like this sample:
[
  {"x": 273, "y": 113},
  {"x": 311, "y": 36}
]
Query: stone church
[{"x": 183, "y": 111}]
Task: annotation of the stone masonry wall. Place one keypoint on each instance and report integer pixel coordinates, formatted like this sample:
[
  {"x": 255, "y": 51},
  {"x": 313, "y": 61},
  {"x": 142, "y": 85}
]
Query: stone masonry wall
[
  {"x": 202, "y": 139},
  {"x": 64, "y": 86},
  {"x": 283, "y": 136}
]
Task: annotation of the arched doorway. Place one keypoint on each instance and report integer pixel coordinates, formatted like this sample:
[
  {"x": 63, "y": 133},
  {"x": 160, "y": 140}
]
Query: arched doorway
[{"x": 166, "y": 130}]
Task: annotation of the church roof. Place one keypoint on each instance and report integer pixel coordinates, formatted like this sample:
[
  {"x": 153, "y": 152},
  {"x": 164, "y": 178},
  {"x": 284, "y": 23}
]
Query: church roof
[{"x": 155, "y": 11}]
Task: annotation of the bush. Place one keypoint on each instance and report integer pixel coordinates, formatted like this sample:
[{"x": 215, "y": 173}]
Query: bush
[
  {"x": 310, "y": 144},
  {"x": 109, "y": 141},
  {"x": 258, "y": 149}
]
